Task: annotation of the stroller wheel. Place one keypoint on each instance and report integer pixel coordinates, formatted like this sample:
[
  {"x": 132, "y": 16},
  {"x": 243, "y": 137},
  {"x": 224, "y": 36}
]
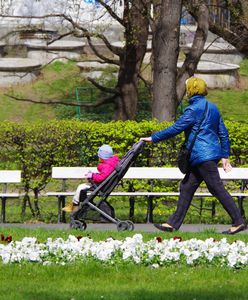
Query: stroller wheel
[
  {"x": 75, "y": 224},
  {"x": 130, "y": 225},
  {"x": 122, "y": 226}
]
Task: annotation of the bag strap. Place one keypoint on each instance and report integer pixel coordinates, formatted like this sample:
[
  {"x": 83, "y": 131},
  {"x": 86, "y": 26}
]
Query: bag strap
[{"x": 199, "y": 127}]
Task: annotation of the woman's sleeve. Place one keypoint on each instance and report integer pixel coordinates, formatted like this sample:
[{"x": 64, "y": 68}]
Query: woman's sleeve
[
  {"x": 224, "y": 139},
  {"x": 185, "y": 121}
]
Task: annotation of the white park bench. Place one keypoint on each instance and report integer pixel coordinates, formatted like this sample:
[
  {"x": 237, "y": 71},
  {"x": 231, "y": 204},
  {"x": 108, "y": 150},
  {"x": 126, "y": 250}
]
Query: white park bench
[
  {"x": 8, "y": 177},
  {"x": 66, "y": 173}
]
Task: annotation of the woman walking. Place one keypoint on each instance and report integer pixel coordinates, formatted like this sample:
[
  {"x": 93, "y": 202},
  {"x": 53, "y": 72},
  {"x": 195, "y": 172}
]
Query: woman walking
[{"x": 211, "y": 145}]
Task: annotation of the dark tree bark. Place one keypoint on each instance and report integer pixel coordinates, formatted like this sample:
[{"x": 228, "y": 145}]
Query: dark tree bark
[
  {"x": 166, "y": 31},
  {"x": 168, "y": 83},
  {"x": 136, "y": 24}
]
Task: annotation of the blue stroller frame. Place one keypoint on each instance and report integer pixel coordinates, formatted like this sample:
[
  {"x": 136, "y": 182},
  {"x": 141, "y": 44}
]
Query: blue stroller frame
[{"x": 103, "y": 190}]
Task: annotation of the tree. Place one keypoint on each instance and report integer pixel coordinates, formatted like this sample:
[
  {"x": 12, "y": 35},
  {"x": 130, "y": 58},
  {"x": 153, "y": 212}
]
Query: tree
[
  {"x": 165, "y": 44},
  {"x": 135, "y": 24},
  {"x": 166, "y": 78},
  {"x": 168, "y": 83}
]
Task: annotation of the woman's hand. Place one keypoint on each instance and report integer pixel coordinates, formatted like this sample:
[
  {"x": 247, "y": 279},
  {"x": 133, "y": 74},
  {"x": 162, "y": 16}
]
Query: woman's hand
[
  {"x": 226, "y": 165},
  {"x": 146, "y": 139}
]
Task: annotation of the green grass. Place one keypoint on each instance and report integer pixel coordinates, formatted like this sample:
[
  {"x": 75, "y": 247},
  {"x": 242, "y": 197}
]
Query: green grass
[
  {"x": 58, "y": 81},
  {"x": 232, "y": 103},
  {"x": 244, "y": 67},
  {"x": 95, "y": 280},
  {"x": 15, "y": 111}
]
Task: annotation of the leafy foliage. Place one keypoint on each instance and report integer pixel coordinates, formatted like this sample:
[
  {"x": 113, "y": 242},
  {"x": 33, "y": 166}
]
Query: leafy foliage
[{"x": 36, "y": 148}]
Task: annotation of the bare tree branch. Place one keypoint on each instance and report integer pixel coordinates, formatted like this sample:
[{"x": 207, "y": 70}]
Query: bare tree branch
[
  {"x": 51, "y": 102},
  {"x": 102, "y": 88},
  {"x": 87, "y": 34},
  {"x": 190, "y": 64},
  {"x": 97, "y": 53},
  {"x": 237, "y": 33},
  {"x": 61, "y": 36},
  {"x": 111, "y": 12}
]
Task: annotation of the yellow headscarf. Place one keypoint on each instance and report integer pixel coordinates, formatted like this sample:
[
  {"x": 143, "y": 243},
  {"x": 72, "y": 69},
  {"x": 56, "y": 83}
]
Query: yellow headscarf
[{"x": 196, "y": 86}]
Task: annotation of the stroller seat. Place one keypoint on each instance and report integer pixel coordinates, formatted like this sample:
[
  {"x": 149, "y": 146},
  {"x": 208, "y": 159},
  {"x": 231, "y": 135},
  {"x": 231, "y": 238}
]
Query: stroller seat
[{"x": 103, "y": 190}]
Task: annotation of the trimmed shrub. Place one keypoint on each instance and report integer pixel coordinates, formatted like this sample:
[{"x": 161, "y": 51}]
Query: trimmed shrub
[{"x": 36, "y": 148}]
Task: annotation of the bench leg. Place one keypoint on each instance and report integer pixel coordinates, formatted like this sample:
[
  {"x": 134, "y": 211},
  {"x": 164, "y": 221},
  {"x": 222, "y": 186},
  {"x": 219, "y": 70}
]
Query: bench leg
[
  {"x": 213, "y": 209},
  {"x": 149, "y": 215},
  {"x": 61, "y": 214},
  {"x": 3, "y": 212},
  {"x": 131, "y": 208}
]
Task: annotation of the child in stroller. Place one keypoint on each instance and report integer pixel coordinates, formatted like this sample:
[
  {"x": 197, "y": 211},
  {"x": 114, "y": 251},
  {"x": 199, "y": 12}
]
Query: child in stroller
[
  {"x": 103, "y": 190},
  {"x": 108, "y": 162}
]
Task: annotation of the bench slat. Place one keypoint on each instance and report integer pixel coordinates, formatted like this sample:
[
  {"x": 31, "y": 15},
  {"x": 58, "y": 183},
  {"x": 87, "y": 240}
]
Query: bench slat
[
  {"x": 71, "y": 172},
  {"x": 145, "y": 173},
  {"x": 9, "y": 176},
  {"x": 10, "y": 195},
  {"x": 147, "y": 194}
]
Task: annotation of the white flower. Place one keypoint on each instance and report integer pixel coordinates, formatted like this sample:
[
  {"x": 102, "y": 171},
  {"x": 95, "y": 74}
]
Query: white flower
[
  {"x": 155, "y": 266},
  {"x": 152, "y": 253}
]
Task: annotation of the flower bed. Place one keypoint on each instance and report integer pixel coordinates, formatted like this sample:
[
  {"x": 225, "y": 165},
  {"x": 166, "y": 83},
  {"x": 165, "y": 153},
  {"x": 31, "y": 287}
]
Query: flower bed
[{"x": 154, "y": 253}]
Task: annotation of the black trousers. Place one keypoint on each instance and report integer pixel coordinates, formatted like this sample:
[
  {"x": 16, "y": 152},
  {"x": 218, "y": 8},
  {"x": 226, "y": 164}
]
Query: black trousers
[{"x": 207, "y": 172}]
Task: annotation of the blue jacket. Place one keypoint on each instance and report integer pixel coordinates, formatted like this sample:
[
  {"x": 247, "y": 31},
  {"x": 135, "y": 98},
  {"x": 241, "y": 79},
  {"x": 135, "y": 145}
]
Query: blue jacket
[{"x": 212, "y": 142}]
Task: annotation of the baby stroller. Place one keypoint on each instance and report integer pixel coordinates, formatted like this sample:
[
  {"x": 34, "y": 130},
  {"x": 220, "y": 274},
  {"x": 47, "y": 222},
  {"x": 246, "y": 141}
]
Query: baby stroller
[{"x": 103, "y": 209}]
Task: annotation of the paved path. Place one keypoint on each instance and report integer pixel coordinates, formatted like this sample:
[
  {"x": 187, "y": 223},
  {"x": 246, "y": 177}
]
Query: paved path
[{"x": 138, "y": 227}]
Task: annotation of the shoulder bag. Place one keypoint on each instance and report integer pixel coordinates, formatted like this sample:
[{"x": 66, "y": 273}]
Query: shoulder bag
[{"x": 183, "y": 159}]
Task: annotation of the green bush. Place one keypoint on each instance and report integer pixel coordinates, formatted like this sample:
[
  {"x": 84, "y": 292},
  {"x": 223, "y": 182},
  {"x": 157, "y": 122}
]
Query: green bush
[{"x": 36, "y": 148}]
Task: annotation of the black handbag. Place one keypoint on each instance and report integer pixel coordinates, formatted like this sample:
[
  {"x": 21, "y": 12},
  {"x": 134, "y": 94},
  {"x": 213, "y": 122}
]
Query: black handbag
[{"x": 183, "y": 159}]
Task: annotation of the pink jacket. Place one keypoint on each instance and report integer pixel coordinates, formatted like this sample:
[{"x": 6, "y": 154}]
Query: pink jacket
[{"x": 105, "y": 169}]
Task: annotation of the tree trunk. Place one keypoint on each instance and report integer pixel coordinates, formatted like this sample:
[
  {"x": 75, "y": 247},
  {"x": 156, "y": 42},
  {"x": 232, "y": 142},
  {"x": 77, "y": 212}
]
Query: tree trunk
[
  {"x": 26, "y": 200},
  {"x": 126, "y": 103},
  {"x": 136, "y": 35},
  {"x": 165, "y": 50},
  {"x": 36, "y": 203},
  {"x": 194, "y": 55}
]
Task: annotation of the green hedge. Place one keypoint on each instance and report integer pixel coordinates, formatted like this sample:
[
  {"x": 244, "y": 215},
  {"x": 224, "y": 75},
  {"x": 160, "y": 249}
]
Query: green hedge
[{"x": 36, "y": 148}]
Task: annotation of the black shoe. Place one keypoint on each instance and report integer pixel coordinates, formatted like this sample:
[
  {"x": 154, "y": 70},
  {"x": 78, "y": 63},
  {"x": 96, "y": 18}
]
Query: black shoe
[
  {"x": 239, "y": 228},
  {"x": 164, "y": 228}
]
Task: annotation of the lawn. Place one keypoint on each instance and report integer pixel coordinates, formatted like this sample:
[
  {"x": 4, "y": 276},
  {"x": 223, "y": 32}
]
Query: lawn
[
  {"x": 95, "y": 280},
  {"x": 59, "y": 81}
]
